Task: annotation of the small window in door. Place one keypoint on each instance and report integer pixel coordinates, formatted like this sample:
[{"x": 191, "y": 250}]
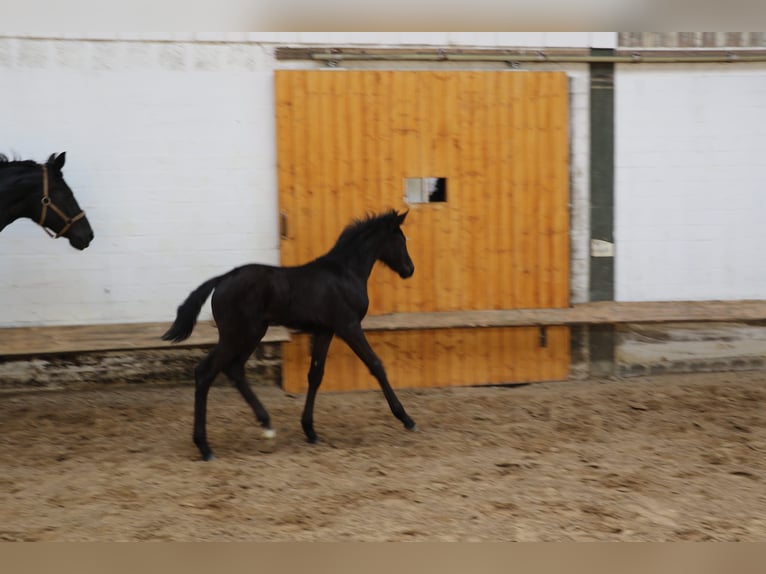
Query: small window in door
[{"x": 425, "y": 189}]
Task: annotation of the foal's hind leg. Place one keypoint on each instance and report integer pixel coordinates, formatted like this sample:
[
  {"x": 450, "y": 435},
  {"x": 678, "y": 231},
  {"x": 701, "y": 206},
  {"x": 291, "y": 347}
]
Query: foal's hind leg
[
  {"x": 354, "y": 337},
  {"x": 204, "y": 375},
  {"x": 236, "y": 372}
]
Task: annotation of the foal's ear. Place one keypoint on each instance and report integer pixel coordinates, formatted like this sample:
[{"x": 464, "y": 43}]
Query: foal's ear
[
  {"x": 57, "y": 162},
  {"x": 401, "y": 217}
]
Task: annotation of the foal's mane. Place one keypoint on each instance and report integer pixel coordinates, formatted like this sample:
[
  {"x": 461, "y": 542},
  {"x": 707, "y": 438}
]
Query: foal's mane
[{"x": 365, "y": 233}]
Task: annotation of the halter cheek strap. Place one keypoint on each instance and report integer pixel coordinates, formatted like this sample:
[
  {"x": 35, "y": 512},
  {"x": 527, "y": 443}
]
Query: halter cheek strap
[{"x": 46, "y": 203}]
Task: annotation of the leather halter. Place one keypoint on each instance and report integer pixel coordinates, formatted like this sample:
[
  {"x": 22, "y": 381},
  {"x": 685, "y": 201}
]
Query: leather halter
[{"x": 46, "y": 203}]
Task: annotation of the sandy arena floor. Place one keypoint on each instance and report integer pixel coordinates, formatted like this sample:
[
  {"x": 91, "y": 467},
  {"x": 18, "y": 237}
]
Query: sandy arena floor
[{"x": 662, "y": 458}]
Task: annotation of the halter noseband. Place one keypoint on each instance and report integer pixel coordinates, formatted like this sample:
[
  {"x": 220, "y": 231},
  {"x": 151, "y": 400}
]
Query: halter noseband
[{"x": 46, "y": 203}]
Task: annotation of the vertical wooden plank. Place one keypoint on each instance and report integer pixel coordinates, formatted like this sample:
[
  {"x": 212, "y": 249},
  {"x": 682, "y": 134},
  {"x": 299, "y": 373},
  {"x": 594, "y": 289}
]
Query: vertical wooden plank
[
  {"x": 534, "y": 192},
  {"x": 530, "y": 353},
  {"x": 308, "y": 233},
  {"x": 467, "y": 230},
  {"x": 518, "y": 203},
  {"x": 334, "y": 116},
  {"x": 494, "y": 170},
  {"x": 459, "y": 235},
  {"x": 477, "y": 129},
  {"x": 351, "y": 151},
  {"x": 564, "y": 347},
  {"x": 545, "y": 191},
  {"x": 486, "y": 148},
  {"x": 411, "y": 297},
  {"x": 493, "y": 345},
  {"x": 328, "y": 150},
  {"x": 389, "y": 168},
  {"x": 295, "y": 354},
  {"x": 425, "y": 282},
  {"x": 422, "y": 232},
  {"x": 292, "y": 129},
  {"x": 440, "y": 356},
  {"x": 300, "y": 126},
  {"x": 421, "y": 246},
  {"x": 446, "y": 262},
  {"x": 509, "y": 358},
  {"x": 449, "y": 236},
  {"x": 413, "y": 371},
  {"x": 450, "y": 232},
  {"x": 286, "y": 176},
  {"x": 366, "y": 121},
  {"x": 560, "y": 177},
  {"x": 506, "y": 191},
  {"x": 476, "y": 367},
  {"x": 383, "y": 286}
]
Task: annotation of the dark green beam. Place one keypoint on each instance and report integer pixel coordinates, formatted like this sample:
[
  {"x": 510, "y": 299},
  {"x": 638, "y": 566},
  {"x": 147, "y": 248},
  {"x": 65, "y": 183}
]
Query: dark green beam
[{"x": 602, "y": 177}]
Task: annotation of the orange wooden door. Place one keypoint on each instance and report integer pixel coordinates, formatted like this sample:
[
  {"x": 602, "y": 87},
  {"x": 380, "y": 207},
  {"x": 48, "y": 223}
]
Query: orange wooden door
[{"x": 348, "y": 140}]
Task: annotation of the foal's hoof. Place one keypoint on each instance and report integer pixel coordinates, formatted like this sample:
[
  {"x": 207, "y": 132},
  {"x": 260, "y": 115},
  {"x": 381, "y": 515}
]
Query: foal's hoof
[
  {"x": 269, "y": 433},
  {"x": 313, "y": 439},
  {"x": 412, "y": 427},
  {"x": 208, "y": 457}
]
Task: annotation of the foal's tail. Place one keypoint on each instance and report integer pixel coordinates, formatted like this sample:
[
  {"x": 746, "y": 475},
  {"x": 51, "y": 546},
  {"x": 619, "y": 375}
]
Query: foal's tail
[{"x": 186, "y": 316}]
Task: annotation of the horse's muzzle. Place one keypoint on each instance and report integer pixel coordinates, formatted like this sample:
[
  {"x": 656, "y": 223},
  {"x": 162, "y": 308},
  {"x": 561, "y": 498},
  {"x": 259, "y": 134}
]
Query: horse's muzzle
[{"x": 80, "y": 240}]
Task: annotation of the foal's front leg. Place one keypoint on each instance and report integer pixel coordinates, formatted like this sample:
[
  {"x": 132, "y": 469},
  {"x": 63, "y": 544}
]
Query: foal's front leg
[
  {"x": 319, "y": 347},
  {"x": 354, "y": 337}
]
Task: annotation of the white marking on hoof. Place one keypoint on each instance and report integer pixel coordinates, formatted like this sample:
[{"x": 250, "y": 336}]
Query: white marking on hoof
[{"x": 269, "y": 433}]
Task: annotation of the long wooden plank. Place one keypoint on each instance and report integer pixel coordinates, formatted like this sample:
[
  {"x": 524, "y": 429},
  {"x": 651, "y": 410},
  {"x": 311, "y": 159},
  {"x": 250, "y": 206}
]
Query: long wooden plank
[
  {"x": 82, "y": 338},
  {"x": 601, "y": 312},
  {"x": 25, "y": 341}
]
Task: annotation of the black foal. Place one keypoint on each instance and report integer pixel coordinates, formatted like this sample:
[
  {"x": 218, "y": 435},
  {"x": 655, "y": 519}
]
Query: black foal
[{"x": 325, "y": 297}]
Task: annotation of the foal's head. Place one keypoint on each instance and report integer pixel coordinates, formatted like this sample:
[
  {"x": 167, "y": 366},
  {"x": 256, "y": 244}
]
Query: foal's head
[
  {"x": 377, "y": 238},
  {"x": 394, "y": 246}
]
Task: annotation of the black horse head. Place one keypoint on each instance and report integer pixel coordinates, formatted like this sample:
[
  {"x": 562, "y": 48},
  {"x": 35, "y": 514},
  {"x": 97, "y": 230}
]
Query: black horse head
[
  {"x": 39, "y": 192},
  {"x": 60, "y": 211},
  {"x": 393, "y": 251},
  {"x": 376, "y": 238}
]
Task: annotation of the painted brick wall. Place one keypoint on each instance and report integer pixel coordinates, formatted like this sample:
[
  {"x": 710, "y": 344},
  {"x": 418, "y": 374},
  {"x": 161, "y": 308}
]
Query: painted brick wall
[
  {"x": 690, "y": 182},
  {"x": 170, "y": 150}
]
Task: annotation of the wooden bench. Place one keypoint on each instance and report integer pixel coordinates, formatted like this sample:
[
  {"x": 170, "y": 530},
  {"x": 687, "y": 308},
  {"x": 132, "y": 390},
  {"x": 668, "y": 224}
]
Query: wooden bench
[
  {"x": 27, "y": 341},
  {"x": 601, "y": 312}
]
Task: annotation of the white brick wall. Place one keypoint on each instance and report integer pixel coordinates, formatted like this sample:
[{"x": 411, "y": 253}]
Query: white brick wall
[
  {"x": 170, "y": 150},
  {"x": 690, "y": 182}
]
